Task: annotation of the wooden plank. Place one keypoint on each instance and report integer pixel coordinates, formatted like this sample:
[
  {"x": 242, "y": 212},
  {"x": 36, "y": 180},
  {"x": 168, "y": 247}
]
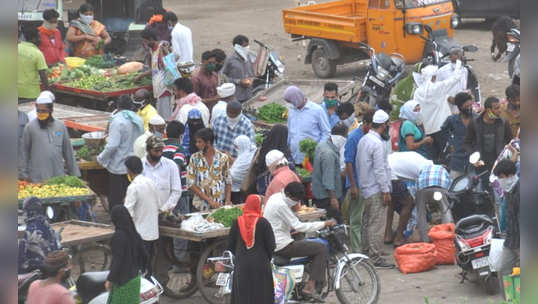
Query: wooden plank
[
  {"x": 89, "y": 165},
  {"x": 79, "y": 232}
]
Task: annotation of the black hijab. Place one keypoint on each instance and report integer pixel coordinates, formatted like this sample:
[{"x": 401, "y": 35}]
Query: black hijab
[
  {"x": 127, "y": 236},
  {"x": 276, "y": 139}
]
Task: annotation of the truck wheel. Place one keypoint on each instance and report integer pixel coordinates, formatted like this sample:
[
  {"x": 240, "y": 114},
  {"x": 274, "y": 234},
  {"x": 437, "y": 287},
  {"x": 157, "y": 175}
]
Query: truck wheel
[{"x": 323, "y": 66}]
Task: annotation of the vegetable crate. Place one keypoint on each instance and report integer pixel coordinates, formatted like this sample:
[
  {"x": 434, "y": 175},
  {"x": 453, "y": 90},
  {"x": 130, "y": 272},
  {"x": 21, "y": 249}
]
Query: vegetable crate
[{"x": 97, "y": 94}]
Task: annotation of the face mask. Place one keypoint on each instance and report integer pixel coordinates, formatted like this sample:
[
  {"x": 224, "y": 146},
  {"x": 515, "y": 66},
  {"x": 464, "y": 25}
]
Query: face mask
[
  {"x": 349, "y": 121},
  {"x": 338, "y": 140},
  {"x": 508, "y": 183},
  {"x": 492, "y": 115},
  {"x": 50, "y": 26},
  {"x": 210, "y": 67},
  {"x": 86, "y": 19},
  {"x": 43, "y": 116},
  {"x": 385, "y": 135},
  {"x": 289, "y": 201},
  {"x": 330, "y": 102},
  {"x": 233, "y": 121},
  {"x": 158, "y": 134}
]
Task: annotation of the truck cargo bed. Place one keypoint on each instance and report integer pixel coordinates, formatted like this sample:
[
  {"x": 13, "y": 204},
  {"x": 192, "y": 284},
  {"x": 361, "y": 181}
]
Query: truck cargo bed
[{"x": 343, "y": 20}]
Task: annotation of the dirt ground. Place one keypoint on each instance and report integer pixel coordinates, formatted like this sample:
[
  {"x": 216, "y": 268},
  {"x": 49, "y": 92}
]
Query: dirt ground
[{"x": 214, "y": 23}]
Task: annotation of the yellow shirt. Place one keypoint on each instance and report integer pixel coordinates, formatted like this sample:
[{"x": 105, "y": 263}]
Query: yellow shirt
[
  {"x": 146, "y": 113},
  {"x": 30, "y": 62}
]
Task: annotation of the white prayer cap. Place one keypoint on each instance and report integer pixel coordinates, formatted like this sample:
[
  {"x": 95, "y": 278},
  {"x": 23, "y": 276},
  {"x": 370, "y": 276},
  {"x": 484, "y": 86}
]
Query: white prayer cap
[
  {"x": 157, "y": 120},
  {"x": 380, "y": 117},
  {"x": 226, "y": 90},
  {"x": 48, "y": 94},
  {"x": 43, "y": 99},
  {"x": 275, "y": 157}
]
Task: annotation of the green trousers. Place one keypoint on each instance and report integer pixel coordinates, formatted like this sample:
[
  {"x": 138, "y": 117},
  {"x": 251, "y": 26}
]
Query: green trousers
[{"x": 356, "y": 208}]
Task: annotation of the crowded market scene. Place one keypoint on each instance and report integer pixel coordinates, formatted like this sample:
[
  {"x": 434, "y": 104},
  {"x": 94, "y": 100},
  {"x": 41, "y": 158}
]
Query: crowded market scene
[{"x": 331, "y": 151}]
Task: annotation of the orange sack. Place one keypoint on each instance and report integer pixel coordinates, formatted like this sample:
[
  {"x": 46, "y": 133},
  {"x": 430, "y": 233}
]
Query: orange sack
[
  {"x": 415, "y": 257},
  {"x": 442, "y": 237}
]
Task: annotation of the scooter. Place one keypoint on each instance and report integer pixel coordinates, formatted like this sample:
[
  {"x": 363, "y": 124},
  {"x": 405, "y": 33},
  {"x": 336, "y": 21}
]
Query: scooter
[
  {"x": 383, "y": 73},
  {"x": 344, "y": 277},
  {"x": 473, "y": 211},
  {"x": 267, "y": 68},
  {"x": 513, "y": 54}
]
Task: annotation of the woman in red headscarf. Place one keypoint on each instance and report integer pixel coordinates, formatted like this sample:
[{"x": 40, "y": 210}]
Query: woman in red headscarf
[{"x": 252, "y": 241}]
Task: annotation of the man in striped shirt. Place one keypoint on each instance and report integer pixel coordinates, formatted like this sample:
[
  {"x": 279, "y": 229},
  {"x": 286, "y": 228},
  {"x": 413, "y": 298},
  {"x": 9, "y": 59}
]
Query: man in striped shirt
[{"x": 174, "y": 150}]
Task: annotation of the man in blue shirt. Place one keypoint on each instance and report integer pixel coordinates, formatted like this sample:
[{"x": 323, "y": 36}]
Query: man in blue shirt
[
  {"x": 305, "y": 120},
  {"x": 352, "y": 181},
  {"x": 331, "y": 102}
]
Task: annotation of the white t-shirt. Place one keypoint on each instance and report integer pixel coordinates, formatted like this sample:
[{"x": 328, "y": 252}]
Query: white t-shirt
[
  {"x": 407, "y": 165},
  {"x": 219, "y": 109},
  {"x": 183, "y": 115},
  {"x": 142, "y": 202}
]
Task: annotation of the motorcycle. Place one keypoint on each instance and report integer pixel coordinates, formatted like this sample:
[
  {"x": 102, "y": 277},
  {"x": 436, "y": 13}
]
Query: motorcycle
[
  {"x": 513, "y": 54},
  {"x": 473, "y": 211},
  {"x": 350, "y": 275},
  {"x": 267, "y": 68},
  {"x": 382, "y": 74}
]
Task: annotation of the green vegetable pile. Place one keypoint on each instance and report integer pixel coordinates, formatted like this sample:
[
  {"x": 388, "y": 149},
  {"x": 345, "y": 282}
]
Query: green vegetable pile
[
  {"x": 302, "y": 172},
  {"x": 99, "y": 82},
  {"x": 308, "y": 147},
  {"x": 259, "y": 139},
  {"x": 76, "y": 73},
  {"x": 101, "y": 61},
  {"x": 226, "y": 216},
  {"x": 89, "y": 154},
  {"x": 272, "y": 113},
  {"x": 71, "y": 181}
]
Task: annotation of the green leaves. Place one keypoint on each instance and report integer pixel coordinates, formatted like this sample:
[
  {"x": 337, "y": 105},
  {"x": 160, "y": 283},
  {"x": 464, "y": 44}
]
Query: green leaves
[{"x": 272, "y": 113}]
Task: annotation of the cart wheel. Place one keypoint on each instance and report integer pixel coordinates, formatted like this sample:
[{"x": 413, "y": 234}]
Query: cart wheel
[
  {"x": 180, "y": 285},
  {"x": 206, "y": 275},
  {"x": 323, "y": 66},
  {"x": 96, "y": 257}
]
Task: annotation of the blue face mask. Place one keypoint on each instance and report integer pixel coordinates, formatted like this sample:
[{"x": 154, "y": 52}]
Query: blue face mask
[{"x": 158, "y": 134}]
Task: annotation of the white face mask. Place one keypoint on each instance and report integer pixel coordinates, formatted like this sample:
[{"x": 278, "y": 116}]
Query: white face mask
[
  {"x": 289, "y": 201},
  {"x": 508, "y": 183},
  {"x": 50, "y": 26},
  {"x": 233, "y": 121},
  {"x": 338, "y": 141},
  {"x": 349, "y": 121},
  {"x": 86, "y": 19}
]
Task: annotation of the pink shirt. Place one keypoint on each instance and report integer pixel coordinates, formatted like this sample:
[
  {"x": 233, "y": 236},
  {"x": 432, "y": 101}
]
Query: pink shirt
[
  {"x": 281, "y": 178},
  {"x": 48, "y": 294}
]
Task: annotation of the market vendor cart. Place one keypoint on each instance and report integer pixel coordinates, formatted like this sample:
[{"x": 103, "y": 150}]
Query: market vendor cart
[
  {"x": 97, "y": 178},
  {"x": 209, "y": 244}
]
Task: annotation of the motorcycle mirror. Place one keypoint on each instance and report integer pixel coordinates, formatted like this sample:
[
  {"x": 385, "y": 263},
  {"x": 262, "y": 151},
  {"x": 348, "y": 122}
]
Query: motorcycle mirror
[
  {"x": 474, "y": 158},
  {"x": 50, "y": 212},
  {"x": 438, "y": 196},
  {"x": 470, "y": 48}
]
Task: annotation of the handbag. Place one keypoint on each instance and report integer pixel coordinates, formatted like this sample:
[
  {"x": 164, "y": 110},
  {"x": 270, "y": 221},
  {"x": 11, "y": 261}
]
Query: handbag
[{"x": 171, "y": 73}]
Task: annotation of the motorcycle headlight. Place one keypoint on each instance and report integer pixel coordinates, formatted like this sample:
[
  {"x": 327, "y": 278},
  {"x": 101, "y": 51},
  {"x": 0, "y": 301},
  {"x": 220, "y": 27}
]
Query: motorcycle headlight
[
  {"x": 382, "y": 74},
  {"x": 414, "y": 28},
  {"x": 454, "y": 21}
]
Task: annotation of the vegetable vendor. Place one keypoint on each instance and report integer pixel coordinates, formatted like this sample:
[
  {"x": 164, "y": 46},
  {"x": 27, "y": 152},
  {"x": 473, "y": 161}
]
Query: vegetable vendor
[
  {"x": 87, "y": 36},
  {"x": 52, "y": 44},
  {"x": 46, "y": 145}
]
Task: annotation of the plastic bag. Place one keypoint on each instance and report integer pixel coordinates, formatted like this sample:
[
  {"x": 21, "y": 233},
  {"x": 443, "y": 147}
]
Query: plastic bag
[
  {"x": 170, "y": 68},
  {"x": 415, "y": 257},
  {"x": 284, "y": 283},
  {"x": 197, "y": 223},
  {"x": 442, "y": 237}
]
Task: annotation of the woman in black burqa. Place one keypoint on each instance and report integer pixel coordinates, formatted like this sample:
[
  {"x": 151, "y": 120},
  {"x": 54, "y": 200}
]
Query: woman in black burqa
[
  {"x": 252, "y": 241},
  {"x": 129, "y": 259}
]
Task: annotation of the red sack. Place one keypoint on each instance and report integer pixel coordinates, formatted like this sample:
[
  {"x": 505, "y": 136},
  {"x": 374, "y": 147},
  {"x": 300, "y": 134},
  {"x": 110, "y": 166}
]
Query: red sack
[
  {"x": 415, "y": 257},
  {"x": 442, "y": 237}
]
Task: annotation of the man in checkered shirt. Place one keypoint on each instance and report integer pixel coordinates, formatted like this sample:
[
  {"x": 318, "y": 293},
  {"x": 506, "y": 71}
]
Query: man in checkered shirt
[
  {"x": 228, "y": 127},
  {"x": 432, "y": 178}
]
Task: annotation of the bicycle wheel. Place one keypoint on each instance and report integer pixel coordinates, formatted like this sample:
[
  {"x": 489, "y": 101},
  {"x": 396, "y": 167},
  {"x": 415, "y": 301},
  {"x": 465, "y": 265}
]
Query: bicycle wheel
[
  {"x": 359, "y": 283},
  {"x": 206, "y": 276},
  {"x": 181, "y": 279},
  {"x": 96, "y": 257}
]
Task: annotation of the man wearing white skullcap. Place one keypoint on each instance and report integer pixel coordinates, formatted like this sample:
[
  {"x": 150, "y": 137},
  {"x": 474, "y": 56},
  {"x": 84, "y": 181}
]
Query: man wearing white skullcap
[
  {"x": 226, "y": 93},
  {"x": 43, "y": 98},
  {"x": 277, "y": 164},
  {"x": 47, "y": 148},
  {"x": 375, "y": 186},
  {"x": 156, "y": 127},
  {"x": 432, "y": 96}
]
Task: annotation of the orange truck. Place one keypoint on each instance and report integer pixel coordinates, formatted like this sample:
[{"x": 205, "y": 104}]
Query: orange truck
[{"x": 336, "y": 28}]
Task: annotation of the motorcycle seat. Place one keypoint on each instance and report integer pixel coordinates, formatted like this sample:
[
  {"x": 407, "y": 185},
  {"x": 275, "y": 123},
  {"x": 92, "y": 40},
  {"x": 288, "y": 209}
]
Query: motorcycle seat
[
  {"x": 25, "y": 276},
  {"x": 285, "y": 261},
  {"x": 473, "y": 224},
  {"x": 91, "y": 284}
]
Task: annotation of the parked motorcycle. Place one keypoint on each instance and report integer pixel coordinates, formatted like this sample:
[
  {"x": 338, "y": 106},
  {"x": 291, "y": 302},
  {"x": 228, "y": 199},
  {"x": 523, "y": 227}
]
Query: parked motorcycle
[
  {"x": 267, "y": 68},
  {"x": 473, "y": 211},
  {"x": 350, "y": 275},
  {"x": 513, "y": 54},
  {"x": 383, "y": 73}
]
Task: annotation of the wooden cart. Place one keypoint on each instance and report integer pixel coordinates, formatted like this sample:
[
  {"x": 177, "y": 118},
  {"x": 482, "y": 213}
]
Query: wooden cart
[
  {"x": 97, "y": 178},
  {"x": 206, "y": 245},
  {"x": 313, "y": 90}
]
